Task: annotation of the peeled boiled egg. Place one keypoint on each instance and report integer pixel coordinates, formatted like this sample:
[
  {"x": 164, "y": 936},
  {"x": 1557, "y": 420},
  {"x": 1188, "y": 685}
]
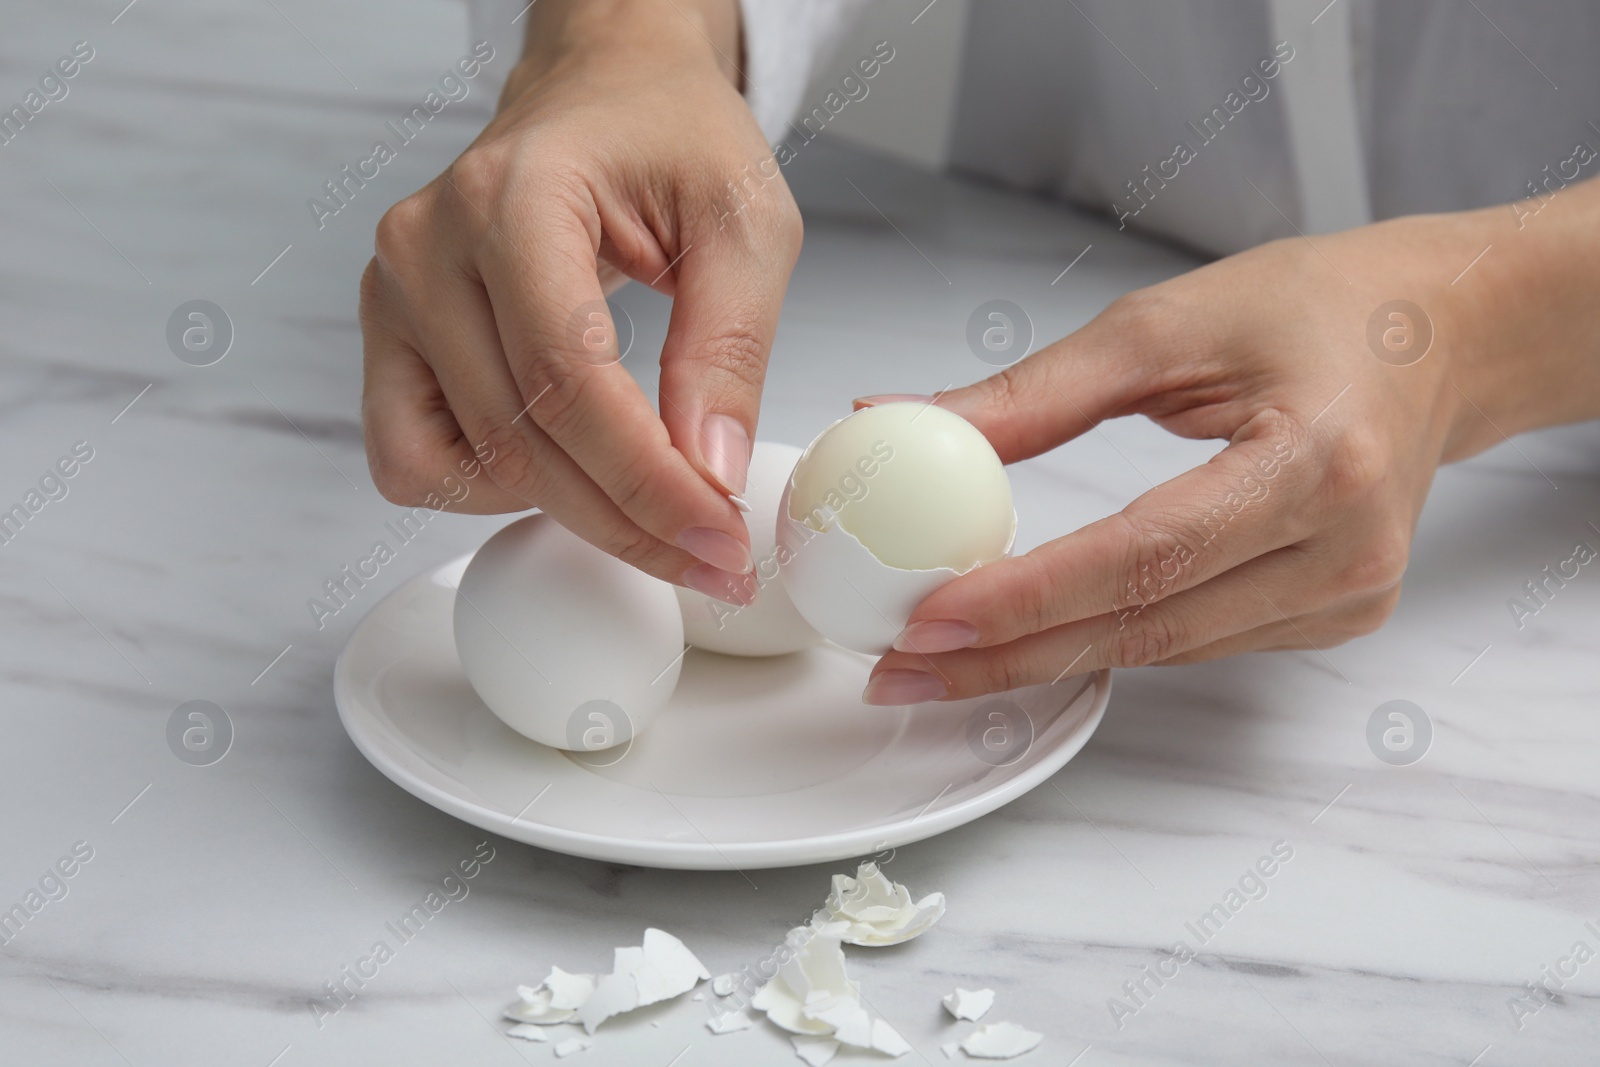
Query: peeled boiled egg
[
  {"x": 771, "y": 626},
  {"x": 885, "y": 506},
  {"x": 566, "y": 644}
]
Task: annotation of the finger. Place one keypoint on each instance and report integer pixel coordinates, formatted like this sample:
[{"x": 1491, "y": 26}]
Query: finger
[
  {"x": 1264, "y": 591},
  {"x": 1314, "y": 631},
  {"x": 1277, "y": 636},
  {"x": 1065, "y": 389},
  {"x": 1246, "y": 501},
  {"x": 456, "y": 333},
  {"x": 558, "y": 340},
  {"x": 416, "y": 451},
  {"x": 729, "y": 289}
]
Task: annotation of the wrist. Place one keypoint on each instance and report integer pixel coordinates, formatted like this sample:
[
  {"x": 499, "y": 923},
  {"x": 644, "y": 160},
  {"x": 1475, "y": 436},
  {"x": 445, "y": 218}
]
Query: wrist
[
  {"x": 1524, "y": 322},
  {"x": 686, "y": 33}
]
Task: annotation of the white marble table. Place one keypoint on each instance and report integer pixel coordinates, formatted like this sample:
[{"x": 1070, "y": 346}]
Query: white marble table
[{"x": 219, "y": 899}]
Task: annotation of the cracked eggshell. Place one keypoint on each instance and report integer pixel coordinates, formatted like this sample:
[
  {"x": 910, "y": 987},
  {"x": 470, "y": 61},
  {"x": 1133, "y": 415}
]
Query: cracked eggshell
[
  {"x": 812, "y": 995},
  {"x": 815, "y": 1051},
  {"x": 841, "y": 587},
  {"x": 811, "y": 976},
  {"x": 1000, "y": 1041},
  {"x": 729, "y": 1022},
  {"x": 528, "y": 1032},
  {"x": 876, "y": 911},
  {"x": 771, "y": 626},
  {"x": 552, "y": 1001},
  {"x": 661, "y": 968},
  {"x": 969, "y": 1004},
  {"x": 571, "y": 1045},
  {"x": 845, "y": 592},
  {"x": 555, "y": 636}
]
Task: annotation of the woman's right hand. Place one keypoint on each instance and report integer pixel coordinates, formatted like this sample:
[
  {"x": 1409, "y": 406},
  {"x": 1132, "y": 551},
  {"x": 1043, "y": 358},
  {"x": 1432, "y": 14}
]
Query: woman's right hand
[{"x": 622, "y": 149}]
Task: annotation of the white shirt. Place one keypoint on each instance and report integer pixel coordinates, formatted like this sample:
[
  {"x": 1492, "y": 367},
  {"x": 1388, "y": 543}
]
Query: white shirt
[{"x": 1372, "y": 109}]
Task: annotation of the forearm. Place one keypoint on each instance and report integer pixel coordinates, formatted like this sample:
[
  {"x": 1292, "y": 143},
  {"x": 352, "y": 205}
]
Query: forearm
[
  {"x": 1526, "y": 318},
  {"x": 563, "y": 30}
]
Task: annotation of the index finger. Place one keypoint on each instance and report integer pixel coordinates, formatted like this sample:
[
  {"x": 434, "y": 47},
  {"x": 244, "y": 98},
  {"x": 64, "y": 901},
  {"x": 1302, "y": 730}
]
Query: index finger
[{"x": 560, "y": 343}]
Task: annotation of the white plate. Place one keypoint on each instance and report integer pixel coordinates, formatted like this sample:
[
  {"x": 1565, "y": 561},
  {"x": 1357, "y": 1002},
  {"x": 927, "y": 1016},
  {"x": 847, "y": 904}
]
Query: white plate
[{"x": 753, "y": 763}]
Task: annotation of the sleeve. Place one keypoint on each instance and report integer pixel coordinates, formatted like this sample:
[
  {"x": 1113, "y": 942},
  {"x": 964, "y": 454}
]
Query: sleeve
[{"x": 784, "y": 43}]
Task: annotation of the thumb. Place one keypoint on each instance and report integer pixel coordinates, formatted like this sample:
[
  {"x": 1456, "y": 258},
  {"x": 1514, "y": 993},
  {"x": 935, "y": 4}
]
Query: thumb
[{"x": 727, "y": 293}]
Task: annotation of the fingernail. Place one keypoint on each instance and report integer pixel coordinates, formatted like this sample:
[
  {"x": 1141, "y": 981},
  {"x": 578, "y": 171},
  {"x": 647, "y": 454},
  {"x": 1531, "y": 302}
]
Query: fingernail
[
  {"x": 737, "y": 589},
  {"x": 889, "y": 398},
  {"x": 936, "y": 635},
  {"x": 903, "y": 687},
  {"x": 716, "y": 548},
  {"x": 726, "y": 448}
]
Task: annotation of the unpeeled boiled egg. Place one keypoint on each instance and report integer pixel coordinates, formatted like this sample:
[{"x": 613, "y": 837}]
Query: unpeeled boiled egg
[
  {"x": 885, "y": 506},
  {"x": 771, "y": 626},
  {"x": 566, "y": 644}
]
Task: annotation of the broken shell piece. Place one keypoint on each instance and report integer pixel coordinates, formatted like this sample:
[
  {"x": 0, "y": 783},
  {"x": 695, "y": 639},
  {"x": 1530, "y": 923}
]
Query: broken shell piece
[
  {"x": 816, "y": 1051},
  {"x": 970, "y": 1004},
  {"x": 1000, "y": 1041},
  {"x": 722, "y": 985},
  {"x": 812, "y": 995},
  {"x": 950, "y": 1050},
  {"x": 887, "y": 1040},
  {"x": 568, "y": 990},
  {"x": 850, "y": 1021},
  {"x": 729, "y": 1022},
  {"x": 571, "y": 1045},
  {"x": 662, "y": 967},
  {"x": 812, "y": 973},
  {"x": 552, "y": 1001},
  {"x": 529, "y": 1032},
  {"x": 877, "y": 911}
]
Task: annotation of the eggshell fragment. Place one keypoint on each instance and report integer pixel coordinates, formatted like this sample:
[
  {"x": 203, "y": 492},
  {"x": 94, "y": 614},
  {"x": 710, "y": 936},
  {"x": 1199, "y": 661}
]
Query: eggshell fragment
[
  {"x": 565, "y": 644},
  {"x": 1000, "y": 1041},
  {"x": 729, "y": 1022},
  {"x": 810, "y": 979},
  {"x": 771, "y": 626},
  {"x": 811, "y": 993},
  {"x": 969, "y": 1004},
  {"x": 568, "y": 990},
  {"x": 887, "y": 1040},
  {"x": 571, "y": 1045},
  {"x": 662, "y": 967},
  {"x": 877, "y": 911},
  {"x": 553, "y": 1000},
  {"x": 816, "y": 1051},
  {"x": 844, "y": 591},
  {"x": 529, "y": 1032}
]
